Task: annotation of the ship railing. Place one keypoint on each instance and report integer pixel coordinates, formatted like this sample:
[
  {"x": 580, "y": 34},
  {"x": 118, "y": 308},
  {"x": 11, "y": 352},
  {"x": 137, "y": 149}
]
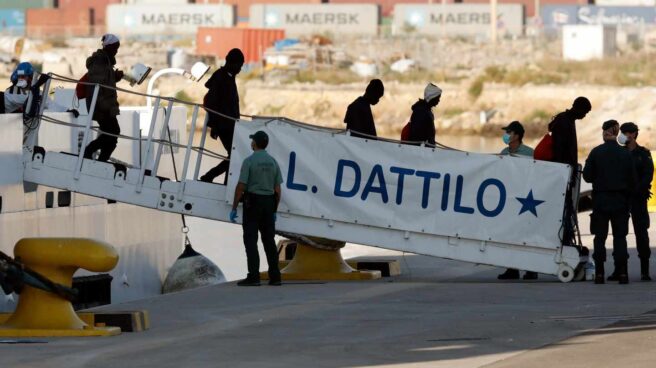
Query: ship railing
[{"x": 163, "y": 139}]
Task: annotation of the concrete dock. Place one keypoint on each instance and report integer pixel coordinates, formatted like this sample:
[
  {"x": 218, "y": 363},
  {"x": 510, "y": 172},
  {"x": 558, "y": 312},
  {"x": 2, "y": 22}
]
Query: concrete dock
[{"x": 439, "y": 313}]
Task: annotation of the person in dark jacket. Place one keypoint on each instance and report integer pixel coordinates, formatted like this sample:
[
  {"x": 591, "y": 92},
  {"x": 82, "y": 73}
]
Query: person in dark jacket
[
  {"x": 222, "y": 96},
  {"x": 422, "y": 120},
  {"x": 100, "y": 69},
  {"x": 563, "y": 132},
  {"x": 639, "y": 212},
  {"x": 359, "y": 119},
  {"x": 610, "y": 169},
  {"x": 565, "y": 151}
]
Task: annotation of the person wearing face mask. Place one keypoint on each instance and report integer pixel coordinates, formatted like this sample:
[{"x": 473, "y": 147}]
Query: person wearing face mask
[
  {"x": 259, "y": 187},
  {"x": 100, "y": 69},
  {"x": 639, "y": 213},
  {"x": 222, "y": 96},
  {"x": 359, "y": 119},
  {"x": 422, "y": 120},
  {"x": 610, "y": 169},
  {"x": 14, "y": 98},
  {"x": 513, "y": 137}
]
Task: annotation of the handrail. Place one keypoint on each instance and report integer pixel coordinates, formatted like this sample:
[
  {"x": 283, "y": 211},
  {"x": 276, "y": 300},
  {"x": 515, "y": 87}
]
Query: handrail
[{"x": 271, "y": 118}]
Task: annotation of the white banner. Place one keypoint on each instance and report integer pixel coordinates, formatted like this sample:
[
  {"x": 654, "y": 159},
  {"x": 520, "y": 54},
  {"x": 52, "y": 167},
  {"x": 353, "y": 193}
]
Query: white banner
[{"x": 417, "y": 189}]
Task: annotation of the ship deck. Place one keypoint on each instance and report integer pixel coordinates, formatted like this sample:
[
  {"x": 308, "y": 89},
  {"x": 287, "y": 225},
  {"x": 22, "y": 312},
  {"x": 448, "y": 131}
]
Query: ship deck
[{"x": 438, "y": 313}]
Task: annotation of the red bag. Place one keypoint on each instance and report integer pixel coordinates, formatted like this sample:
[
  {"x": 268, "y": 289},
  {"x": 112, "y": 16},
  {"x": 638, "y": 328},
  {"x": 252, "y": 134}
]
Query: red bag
[
  {"x": 544, "y": 150},
  {"x": 405, "y": 132},
  {"x": 81, "y": 89}
]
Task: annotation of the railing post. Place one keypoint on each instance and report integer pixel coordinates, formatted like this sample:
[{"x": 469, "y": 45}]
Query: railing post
[
  {"x": 87, "y": 132},
  {"x": 190, "y": 142},
  {"x": 202, "y": 146},
  {"x": 149, "y": 142},
  {"x": 32, "y": 139},
  {"x": 162, "y": 136}
]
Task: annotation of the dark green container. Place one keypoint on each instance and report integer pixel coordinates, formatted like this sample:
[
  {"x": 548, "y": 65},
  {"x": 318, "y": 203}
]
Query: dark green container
[{"x": 26, "y": 4}]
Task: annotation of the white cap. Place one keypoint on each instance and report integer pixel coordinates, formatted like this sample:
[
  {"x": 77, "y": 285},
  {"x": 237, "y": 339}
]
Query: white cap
[
  {"x": 431, "y": 91},
  {"x": 109, "y": 39}
]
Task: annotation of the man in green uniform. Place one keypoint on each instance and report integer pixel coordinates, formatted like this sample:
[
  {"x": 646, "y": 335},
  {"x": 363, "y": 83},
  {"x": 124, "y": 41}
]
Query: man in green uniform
[
  {"x": 610, "y": 169},
  {"x": 639, "y": 212},
  {"x": 259, "y": 187}
]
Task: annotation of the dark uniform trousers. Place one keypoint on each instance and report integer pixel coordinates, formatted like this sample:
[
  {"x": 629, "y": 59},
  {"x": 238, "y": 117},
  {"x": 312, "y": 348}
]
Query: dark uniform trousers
[
  {"x": 225, "y": 134},
  {"x": 105, "y": 143},
  {"x": 617, "y": 213},
  {"x": 640, "y": 219},
  {"x": 258, "y": 216}
]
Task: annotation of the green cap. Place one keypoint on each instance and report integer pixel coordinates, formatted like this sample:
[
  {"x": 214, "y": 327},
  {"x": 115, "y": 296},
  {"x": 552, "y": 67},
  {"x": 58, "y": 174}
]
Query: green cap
[
  {"x": 260, "y": 138},
  {"x": 609, "y": 124},
  {"x": 628, "y": 128}
]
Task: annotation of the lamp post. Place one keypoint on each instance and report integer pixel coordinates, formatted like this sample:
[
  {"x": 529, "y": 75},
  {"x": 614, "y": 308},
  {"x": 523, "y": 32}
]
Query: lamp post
[{"x": 197, "y": 72}]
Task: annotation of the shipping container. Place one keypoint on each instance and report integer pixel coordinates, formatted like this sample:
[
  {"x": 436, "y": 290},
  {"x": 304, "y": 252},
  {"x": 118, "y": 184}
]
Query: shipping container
[
  {"x": 529, "y": 5},
  {"x": 12, "y": 22},
  {"x": 244, "y": 6},
  {"x": 624, "y": 2},
  {"x": 386, "y": 6},
  {"x": 253, "y": 42},
  {"x": 74, "y": 22},
  {"x": 98, "y": 9},
  {"x": 157, "y": 2},
  {"x": 140, "y": 20},
  {"x": 583, "y": 42},
  {"x": 305, "y": 20},
  {"x": 457, "y": 19},
  {"x": 26, "y": 4},
  {"x": 556, "y": 16}
]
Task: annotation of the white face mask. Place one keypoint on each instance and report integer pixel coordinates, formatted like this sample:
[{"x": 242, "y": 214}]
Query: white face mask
[
  {"x": 622, "y": 139},
  {"x": 22, "y": 83}
]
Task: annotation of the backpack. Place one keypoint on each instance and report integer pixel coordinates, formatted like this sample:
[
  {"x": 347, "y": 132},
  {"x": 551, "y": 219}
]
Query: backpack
[
  {"x": 81, "y": 89},
  {"x": 544, "y": 150},
  {"x": 405, "y": 132}
]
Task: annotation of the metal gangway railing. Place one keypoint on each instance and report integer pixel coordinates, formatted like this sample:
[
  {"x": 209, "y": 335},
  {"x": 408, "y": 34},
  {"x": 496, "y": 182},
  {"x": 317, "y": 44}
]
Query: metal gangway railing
[{"x": 139, "y": 185}]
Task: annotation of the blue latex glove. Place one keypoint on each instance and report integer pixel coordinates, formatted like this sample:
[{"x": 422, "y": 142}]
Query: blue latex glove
[
  {"x": 233, "y": 216},
  {"x": 275, "y": 217}
]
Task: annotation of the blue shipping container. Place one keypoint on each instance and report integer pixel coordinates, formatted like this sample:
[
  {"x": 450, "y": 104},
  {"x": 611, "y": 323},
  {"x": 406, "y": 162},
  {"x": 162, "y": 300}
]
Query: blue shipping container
[
  {"x": 558, "y": 15},
  {"x": 12, "y": 22}
]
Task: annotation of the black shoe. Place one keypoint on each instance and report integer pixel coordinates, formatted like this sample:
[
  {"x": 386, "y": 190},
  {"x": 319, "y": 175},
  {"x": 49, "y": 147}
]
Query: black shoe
[
  {"x": 247, "y": 282},
  {"x": 206, "y": 179},
  {"x": 599, "y": 279},
  {"x": 275, "y": 282},
  {"x": 530, "y": 275},
  {"x": 510, "y": 274},
  {"x": 613, "y": 277},
  {"x": 623, "y": 279},
  {"x": 644, "y": 269}
]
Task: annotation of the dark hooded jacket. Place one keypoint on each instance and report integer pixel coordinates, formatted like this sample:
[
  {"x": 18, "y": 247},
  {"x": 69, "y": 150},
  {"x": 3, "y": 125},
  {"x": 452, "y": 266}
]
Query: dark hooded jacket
[
  {"x": 563, "y": 133},
  {"x": 100, "y": 69},
  {"x": 422, "y": 123},
  {"x": 359, "y": 118},
  {"x": 222, "y": 96}
]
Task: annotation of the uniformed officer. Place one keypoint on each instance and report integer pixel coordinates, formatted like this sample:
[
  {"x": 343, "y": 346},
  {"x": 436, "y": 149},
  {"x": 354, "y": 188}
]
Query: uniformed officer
[
  {"x": 610, "y": 169},
  {"x": 259, "y": 187},
  {"x": 639, "y": 213}
]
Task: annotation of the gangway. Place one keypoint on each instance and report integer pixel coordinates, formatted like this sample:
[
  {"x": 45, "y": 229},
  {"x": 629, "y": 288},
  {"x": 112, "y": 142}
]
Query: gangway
[{"x": 485, "y": 209}]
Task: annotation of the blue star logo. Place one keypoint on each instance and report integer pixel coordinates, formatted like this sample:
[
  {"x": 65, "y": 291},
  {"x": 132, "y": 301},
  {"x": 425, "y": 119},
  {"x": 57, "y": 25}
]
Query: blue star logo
[{"x": 529, "y": 204}]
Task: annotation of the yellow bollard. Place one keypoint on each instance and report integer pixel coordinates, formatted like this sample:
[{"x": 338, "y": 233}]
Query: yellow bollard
[
  {"x": 652, "y": 201},
  {"x": 43, "y": 314},
  {"x": 311, "y": 263}
]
